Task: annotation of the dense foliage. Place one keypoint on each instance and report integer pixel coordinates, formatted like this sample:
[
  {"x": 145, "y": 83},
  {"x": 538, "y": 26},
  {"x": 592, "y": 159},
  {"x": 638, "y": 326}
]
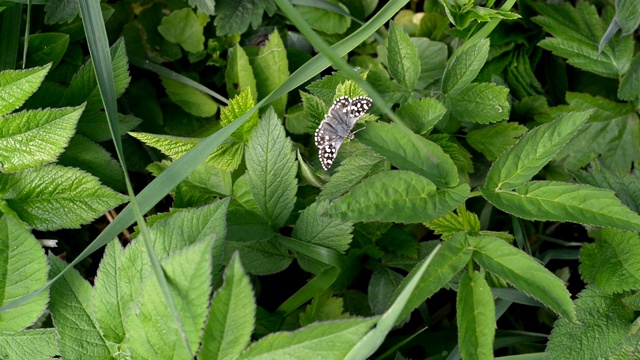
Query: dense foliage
[{"x": 487, "y": 205}]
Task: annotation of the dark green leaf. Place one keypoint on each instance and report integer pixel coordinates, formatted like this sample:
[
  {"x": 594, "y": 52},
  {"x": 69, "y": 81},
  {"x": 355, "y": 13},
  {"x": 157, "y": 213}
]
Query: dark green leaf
[
  {"x": 476, "y": 316},
  {"x": 492, "y": 141},
  {"x": 481, "y": 103},
  {"x": 402, "y": 57},
  {"x": 235, "y": 16},
  {"x": 185, "y": 28},
  {"x": 465, "y": 66},
  {"x": 239, "y": 74},
  {"x": 422, "y": 115},
  {"x": 271, "y": 69}
]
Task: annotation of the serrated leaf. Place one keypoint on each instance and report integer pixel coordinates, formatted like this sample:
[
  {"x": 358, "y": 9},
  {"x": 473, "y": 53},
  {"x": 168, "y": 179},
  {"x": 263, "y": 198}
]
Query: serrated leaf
[
  {"x": 315, "y": 228},
  {"x": 323, "y": 307},
  {"x": 627, "y": 15},
  {"x": 603, "y": 322},
  {"x": 626, "y": 186},
  {"x": 402, "y": 57},
  {"x": 60, "y": 11},
  {"x": 533, "y": 151},
  {"x": 492, "y": 141},
  {"x": 382, "y": 285},
  {"x": 271, "y": 69},
  {"x": 148, "y": 331},
  {"x": 481, "y": 103},
  {"x": 558, "y": 201},
  {"x": 398, "y": 196},
  {"x": 35, "y": 137},
  {"x": 232, "y": 315},
  {"x": 611, "y": 263},
  {"x": 324, "y": 20},
  {"x": 604, "y": 110},
  {"x": 23, "y": 269},
  {"x": 422, "y": 115},
  {"x": 409, "y": 151},
  {"x": 476, "y": 314},
  {"x": 314, "y": 109},
  {"x": 630, "y": 84},
  {"x": 325, "y": 88},
  {"x": 71, "y": 310},
  {"x": 239, "y": 74},
  {"x": 93, "y": 158},
  {"x": 189, "y": 99},
  {"x": 185, "y": 28},
  {"x": 205, "y": 6},
  {"x": 391, "y": 92},
  {"x": 458, "y": 153},
  {"x": 46, "y": 48},
  {"x": 237, "y": 107},
  {"x": 17, "y": 85},
  {"x": 235, "y": 16},
  {"x": 523, "y": 272},
  {"x": 109, "y": 305},
  {"x": 96, "y": 126},
  {"x": 465, "y": 66},
  {"x": 54, "y": 197},
  {"x": 30, "y": 344},
  {"x": 262, "y": 257},
  {"x": 271, "y": 169},
  {"x": 433, "y": 60},
  {"x": 310, "y": 341},
  {"x": 452, "y": 223}
]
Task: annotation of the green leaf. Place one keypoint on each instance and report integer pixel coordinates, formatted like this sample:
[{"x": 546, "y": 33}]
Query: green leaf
[
  {"x": 627, "y": 15},
  {"x": 46, "y": 48},
  {"x": 465, "y": 66},
  {"x": 96, "y": 126},
  {"x": 577, "y": 33},
  {"x": 17, "y": 85},
  {"x": 452, "y": 257},
  {"x": 310, "y": 341},
  {"x": 397, "y": 196},
  {"x": 189, "y": 99},
  {"x": 480, "y": 103},
  {"x": 326, "y": 21},
  {"x": 626, "y": 186},
  {"x": 239, "y": 74},
  {"x": 323, "y": 307},
  {"x": 30, "y": 344},
  {"x": 611, "y": 263},
  {"x": 271, "y": 69},
  {"x": 476, "y": 316},
  {"x": 72, "y": 313},
  {"x": 111, "y": 298},
  {"x": 409, "y": 151},
  {"x": 462, "y": 14},
  {"x": 185, "y": 28},
  {"x": 382, "y": 285},
  {"x": 492, "y": 141},
  {"x": 314, "y": 110},
  {"x": 533, "y": 151},
  {"x": 235, "y": 16},
  {"x": 325, "y": 88},
  {"x": 402, "y": 55},
  {"x": 630, "y": 84},
  {"x": 603, "y": 323},
  {"x": 557, "y": 201},
  {"x": 60, "y": 11},
  {"x": 148, "y": 331},
  {"x": 232, "y": 315},
  {"x": 239, "y": 106},
  {"x": 205, "y": 6},
  {"x": 262, "y": 257},
  {"x": 523, "y": 272},
  {"x": 23, "y": 269},
  {"x": 451, "y": 224},
  {"x": 271, "y": 169},
  {"x": 315, "y": 228},
  {"x": 54, "y": 197},
  {"x": 391, "y": 92},
  {"x": 433, "y": 60},
  {"x": 35, "y": 137},
  {"x": 604, "y": 110},
  {"x": 422, "y": 115}
]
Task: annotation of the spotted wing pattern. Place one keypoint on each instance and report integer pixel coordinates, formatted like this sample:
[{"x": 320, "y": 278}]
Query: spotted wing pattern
[{"x": 337, "y": 125}]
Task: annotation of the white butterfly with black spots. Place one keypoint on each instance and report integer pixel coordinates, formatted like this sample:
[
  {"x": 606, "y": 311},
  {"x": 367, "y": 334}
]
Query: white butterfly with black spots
[{"x": 337, "y": 125}]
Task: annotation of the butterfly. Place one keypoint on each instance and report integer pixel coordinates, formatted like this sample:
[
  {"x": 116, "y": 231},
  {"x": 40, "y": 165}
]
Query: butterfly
[{"x": 337, "y": 125}]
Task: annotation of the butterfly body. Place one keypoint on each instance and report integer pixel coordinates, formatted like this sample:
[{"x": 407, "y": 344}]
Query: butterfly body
[{"x": 337, "y": 125}]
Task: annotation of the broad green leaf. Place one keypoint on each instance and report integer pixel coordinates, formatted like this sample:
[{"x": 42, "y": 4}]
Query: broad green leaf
[
  {"x": 480, "y": 103},
  {"x": 422, "y": 115},
  {"x": 318, "y": 229},
  {"x": 433, "y": 60},
  {"x": 189, "y": 99},
  {"x": 452, "y": 223},
  {"x": 185, "y": 28},
  {"x": 30, "y": 344},
  {"x": 242, "y": 194},
  {"x": 35, "y": 137},
  {"x": 382, "y": 285},
  {"x": 604, "y": 110},
  {"x": 558, "y": 201},
  {"x": 464, "y": 66},
  {"x": 523, "y": 272},
  {"x": 452, "y": 257},
  {"x": 397, "y": 196},
  {"x": 409, "y": 151},
  {"x": 205, "y": 6},
  {"x": 463, "y": 13},
  {"x": 23, "y": 269},
  {"x": 476, "y": 315},
  {"x": 60, "y": 11},
  {"x": 577, "y": 33},
  {"x": 533, "y": 151},
  {"x": 110, "y": 298},
  {"x": 234, "y": 16},
  {"x": 96, "y": 126},
  {"x": 310, "y": 342},
  {"x": 626, "y": 186},
  {"x": 314, "y": 109},
  {"x": 93, "y": 158},
  {"x": 627, "y": 15},
  {"x": 262, "y": 257},
  {"x": 54, "y": 197},
  {"x": 630, "y": 84},
  {"x": 72, "y": 313},
  {"x": 271, "y": 69},
  {"x": 325, "y": 88},
  {"x": 391, "y": 92},
  {"x": 603, "y": 323},
  {"x": 271, "y": 169},
  {"x": 239, "y": 74},
  {"x": 231, "y": 317},
  {"x": 323, "y": 307},
  {"x": 149, "y": 334},
  {"x": 326, "y": 21},
  {"x": 459, "y": 154},
  {"x": 46, "y": 48},
  {"x": 17, "y": 85},
  {"x": 238, "y": 106},
  {"x": 611, "y": 263},
  {"x": 492, "y": 141},
  {"x": 402, "y": 57}
]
